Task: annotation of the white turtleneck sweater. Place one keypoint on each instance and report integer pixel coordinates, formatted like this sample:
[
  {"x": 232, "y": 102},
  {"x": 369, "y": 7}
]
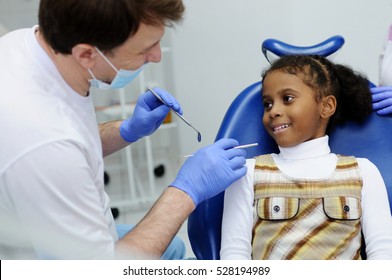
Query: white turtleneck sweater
[{"x": 309, "y": 160}]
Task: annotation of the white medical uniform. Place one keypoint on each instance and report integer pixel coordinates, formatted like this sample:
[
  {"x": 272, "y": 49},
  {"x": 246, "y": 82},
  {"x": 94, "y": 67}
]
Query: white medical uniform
[{"x": 52, "y": 198}]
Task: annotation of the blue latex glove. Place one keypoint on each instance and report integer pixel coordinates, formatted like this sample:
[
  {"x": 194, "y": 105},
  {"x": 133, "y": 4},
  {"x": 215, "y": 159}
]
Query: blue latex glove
[
  {"x": 148, "y": 115},
  {"x": 382, "y": 100},
  {"x": 211, "y": 170}
]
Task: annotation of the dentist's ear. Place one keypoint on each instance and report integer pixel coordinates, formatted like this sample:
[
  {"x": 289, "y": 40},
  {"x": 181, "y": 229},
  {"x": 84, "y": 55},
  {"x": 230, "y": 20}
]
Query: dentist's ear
[
  {"x": 328, "y": 106},
  {"x": 85, "y": 55}
]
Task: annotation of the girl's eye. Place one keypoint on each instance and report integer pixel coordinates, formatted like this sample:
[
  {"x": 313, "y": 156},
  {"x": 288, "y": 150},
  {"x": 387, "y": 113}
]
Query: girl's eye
[
  {"x": 267, "y": 105},
  {"x": 287, "y": 98}
]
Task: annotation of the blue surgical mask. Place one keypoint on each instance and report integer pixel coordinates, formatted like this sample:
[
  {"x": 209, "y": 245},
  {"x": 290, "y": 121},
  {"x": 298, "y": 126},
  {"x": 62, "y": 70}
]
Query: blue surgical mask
[{"x": 122, "y": 78}]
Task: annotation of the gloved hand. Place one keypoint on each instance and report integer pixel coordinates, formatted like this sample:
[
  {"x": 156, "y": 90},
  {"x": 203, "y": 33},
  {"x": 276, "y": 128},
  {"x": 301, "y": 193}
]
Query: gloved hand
[
  {"x": 382, "y": 100},
  {"x": 148, "y": 115},
  {"x": 211, "y": 170}
]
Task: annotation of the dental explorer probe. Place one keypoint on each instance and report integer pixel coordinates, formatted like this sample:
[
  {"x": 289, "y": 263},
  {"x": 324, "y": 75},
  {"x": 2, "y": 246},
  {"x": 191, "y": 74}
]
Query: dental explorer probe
[
  {"x": 181, "y": 117},
  {"x": 236, "y": 147}
]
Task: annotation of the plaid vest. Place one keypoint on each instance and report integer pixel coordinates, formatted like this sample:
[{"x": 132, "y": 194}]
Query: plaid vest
[{"x": 307, "y": 219}]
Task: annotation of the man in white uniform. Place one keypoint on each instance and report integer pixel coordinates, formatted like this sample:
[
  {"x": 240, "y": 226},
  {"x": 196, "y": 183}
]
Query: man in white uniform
[{"x": 52, "y": 198}]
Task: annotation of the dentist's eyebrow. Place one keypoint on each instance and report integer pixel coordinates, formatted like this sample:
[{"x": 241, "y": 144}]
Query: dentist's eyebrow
[{"x": 147, "y": 49}]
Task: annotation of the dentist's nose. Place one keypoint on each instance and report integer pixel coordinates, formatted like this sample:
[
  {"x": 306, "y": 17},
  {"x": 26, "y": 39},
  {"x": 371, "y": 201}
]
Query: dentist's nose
[{"x": 155, "y": 54}]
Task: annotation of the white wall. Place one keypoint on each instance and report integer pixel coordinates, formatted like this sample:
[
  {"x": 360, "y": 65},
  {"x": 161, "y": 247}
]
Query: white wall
[
  {"x": 216, "y": 50},
  {"x": 18, "y": 13}
]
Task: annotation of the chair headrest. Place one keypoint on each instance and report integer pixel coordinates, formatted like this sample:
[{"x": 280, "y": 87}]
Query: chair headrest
[{"x": 279, "y": 48}]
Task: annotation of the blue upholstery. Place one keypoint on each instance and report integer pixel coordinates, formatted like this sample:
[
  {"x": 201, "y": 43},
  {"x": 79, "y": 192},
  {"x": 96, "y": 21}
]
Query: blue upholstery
[
  {"x": 243, "y": 121},
  {"x": 204, "y": 224},
  {"x": 325, "y": 48}
]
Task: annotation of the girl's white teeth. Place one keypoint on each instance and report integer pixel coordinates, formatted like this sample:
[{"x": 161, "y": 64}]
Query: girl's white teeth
[{"x": 281, "y": 127}]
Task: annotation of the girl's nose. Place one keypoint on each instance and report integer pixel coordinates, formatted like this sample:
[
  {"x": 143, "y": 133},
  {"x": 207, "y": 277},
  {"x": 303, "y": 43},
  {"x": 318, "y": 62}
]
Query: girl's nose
[{"x": 275, "y": 111}]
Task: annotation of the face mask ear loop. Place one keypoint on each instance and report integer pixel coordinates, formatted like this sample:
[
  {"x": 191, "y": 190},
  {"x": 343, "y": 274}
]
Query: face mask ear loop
[
  {"x": 91, "y": 73},
  {"x": 107, "y": 60}
]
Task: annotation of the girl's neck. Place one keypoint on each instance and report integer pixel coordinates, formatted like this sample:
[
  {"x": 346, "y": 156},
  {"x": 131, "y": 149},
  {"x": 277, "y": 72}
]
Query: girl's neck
[{"x": 310, "y": 149}]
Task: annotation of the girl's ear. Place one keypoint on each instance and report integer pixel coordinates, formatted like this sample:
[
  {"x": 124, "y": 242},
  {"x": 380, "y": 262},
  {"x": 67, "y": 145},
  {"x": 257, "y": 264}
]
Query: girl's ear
[
  {"x": 328, "y": 106},
  {"x": 84, "y": 54}
]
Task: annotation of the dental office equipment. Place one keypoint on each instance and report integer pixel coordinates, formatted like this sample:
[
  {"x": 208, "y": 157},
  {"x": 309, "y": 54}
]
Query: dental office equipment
[
  {"x": 236, "y": 147},
  {"x": 181, "y": 117}
]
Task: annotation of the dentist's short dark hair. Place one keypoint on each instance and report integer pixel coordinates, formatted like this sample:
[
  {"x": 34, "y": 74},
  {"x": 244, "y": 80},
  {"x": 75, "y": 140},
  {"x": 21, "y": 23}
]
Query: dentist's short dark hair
[{"x": 105, "y": 24}]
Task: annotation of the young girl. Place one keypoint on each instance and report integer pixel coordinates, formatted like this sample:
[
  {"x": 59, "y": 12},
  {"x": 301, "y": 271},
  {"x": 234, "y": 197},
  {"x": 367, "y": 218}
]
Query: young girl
[{"x": 306, "y": 202}]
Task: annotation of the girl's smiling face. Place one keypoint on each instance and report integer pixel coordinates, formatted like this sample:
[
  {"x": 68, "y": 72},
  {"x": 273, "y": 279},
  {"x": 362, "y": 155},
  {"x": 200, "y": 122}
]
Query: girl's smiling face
[{"x": 292, "y": 114}]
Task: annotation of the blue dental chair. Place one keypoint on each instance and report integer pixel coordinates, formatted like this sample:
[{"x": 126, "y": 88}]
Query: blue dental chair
[{"x": 372, "y": 140}]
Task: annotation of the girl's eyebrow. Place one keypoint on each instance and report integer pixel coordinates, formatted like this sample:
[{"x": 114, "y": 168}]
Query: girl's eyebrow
[
  {"x": 288, "y": 91},
  {"x": 282, "y": 91},
  {"x": 264, "y": 95}
]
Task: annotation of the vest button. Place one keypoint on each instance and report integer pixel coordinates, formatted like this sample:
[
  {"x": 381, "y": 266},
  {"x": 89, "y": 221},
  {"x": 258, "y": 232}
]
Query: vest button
[
  {"x": 276, "y": 208},
  {"x": 346, "y": 208}
]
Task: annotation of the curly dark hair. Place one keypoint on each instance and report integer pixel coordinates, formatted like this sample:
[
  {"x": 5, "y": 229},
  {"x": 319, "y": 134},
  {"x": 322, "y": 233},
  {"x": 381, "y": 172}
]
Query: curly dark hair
[{"x": 350, "y": 88}]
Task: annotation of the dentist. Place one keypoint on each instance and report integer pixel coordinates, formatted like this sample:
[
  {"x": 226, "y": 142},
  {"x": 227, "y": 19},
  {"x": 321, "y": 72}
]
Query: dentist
[{"x": 52, "y": 198}]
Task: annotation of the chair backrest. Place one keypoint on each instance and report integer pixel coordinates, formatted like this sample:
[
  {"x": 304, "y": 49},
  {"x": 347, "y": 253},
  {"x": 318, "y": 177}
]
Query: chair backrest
[{"x": 243, "y": 121}]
